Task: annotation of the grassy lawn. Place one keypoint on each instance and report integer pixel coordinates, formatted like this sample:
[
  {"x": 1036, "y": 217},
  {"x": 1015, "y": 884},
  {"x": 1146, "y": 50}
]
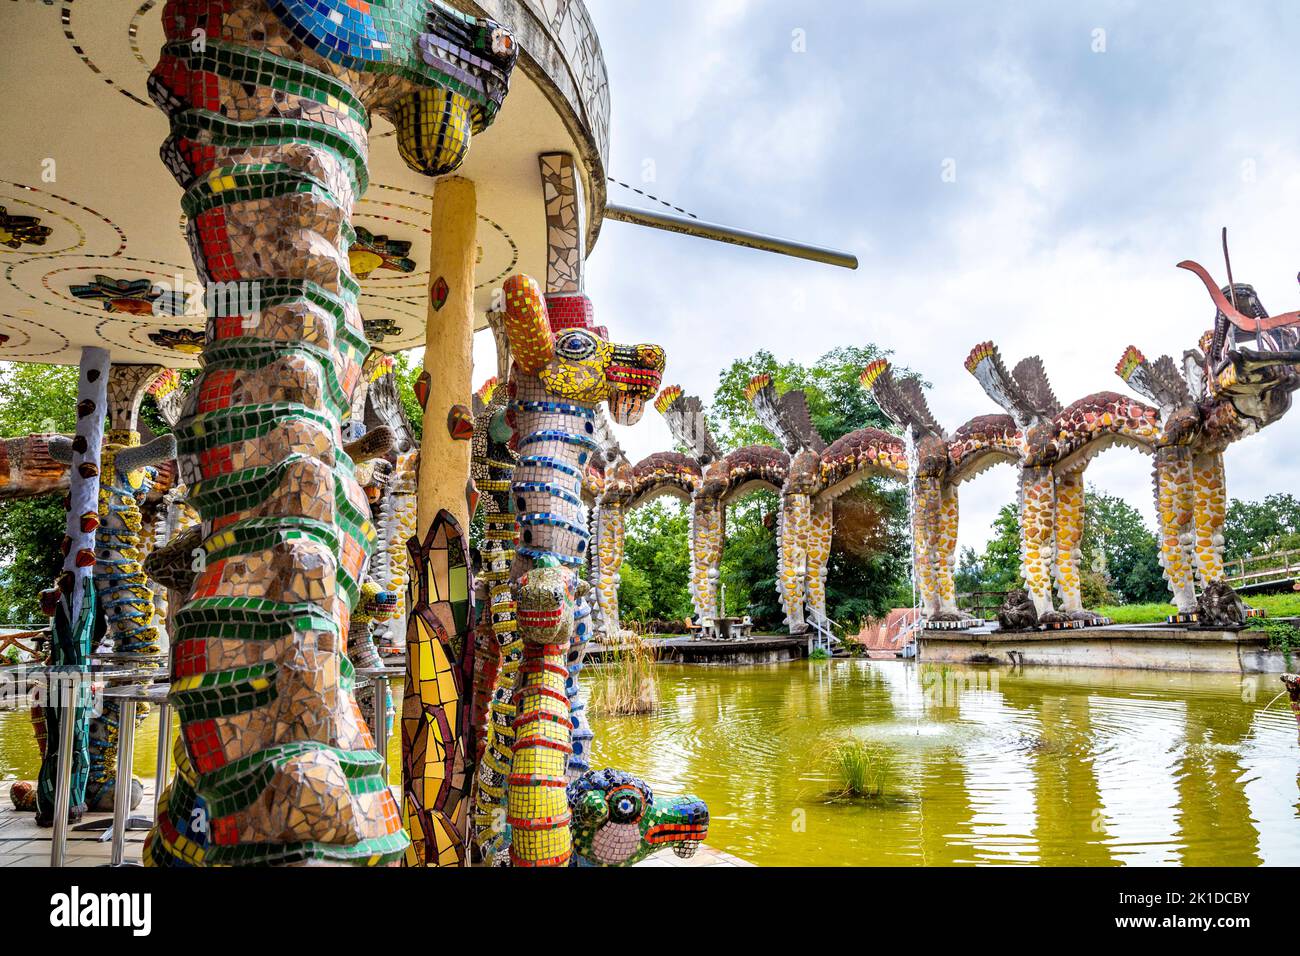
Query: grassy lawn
[{"x": 1277, "y": 605}]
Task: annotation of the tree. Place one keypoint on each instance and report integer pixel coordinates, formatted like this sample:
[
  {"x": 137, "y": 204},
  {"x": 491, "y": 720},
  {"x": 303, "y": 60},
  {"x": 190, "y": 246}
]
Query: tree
[
  {"x": 1118, "y": 553},
  {"x": 1118, "y": 545},
  {"x": 1255, "y": 527},
  {"x": 868, "y": 565},
  {"x": 33, "y": 398},
  {"x": 656, "y": 564}
]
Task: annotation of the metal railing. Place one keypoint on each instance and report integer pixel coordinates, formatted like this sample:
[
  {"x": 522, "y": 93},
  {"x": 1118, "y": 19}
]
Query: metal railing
[{"x": 1257, "y": 570}]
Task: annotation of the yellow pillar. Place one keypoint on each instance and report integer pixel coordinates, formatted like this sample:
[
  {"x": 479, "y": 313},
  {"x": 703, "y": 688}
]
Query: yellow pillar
[
  {"x": 448, "y": 351},
  {"x": 435, "y": 761}
]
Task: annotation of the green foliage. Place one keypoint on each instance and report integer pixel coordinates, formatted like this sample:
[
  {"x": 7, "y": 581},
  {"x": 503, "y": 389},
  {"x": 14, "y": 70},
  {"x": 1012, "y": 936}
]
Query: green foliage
[
  {"x": 838, "y": 403},
  {"x": 656, "y": 565},
  {"x": 1275, "y": 605},
  {"x": 1283, "y": 635},
  {"x": 1256, "y": 527},
  {"x": 998, "y": 568},
  {"x": 858, "y": 584},
  {"x": 405, "y": 371},
  {"x": 37, "y": 398},
  {"x": 1120, "y": 556},
  {"x": 33, "y": 398},
  {"x": 1118, "y": 545}
]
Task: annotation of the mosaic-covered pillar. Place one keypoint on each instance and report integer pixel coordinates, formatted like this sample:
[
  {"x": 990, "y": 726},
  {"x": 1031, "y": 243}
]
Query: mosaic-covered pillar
[
  {"x": 821, "y": 528},
  {"x": 74, "y": 610},
  {"x": 946, "y": 560},
  {"x": 927, "y": 520},
  {"x": 1069, "y": 537},
  {"x": 269, "y": 104},
  {"x": 708, "y": 533},
  {"x": 1037, "y": 535},
  {"x": 1292, "y": 684},
  {"x": 1211, "y": 506},
  {"x": 435, "y": 710},
  {"x": 793, "y": 529},
  {"x": 610, "y": 517},
  {"x": 1175, "y": 503}
]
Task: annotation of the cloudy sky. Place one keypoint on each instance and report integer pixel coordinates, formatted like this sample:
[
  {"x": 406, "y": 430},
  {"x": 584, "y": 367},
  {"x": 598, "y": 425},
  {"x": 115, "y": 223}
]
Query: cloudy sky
[{"x": 1094, "y": 146}]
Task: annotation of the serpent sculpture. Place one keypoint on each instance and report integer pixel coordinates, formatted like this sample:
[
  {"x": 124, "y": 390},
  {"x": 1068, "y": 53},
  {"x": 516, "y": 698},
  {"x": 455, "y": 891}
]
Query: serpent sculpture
[
  {"x": 563, "y": 367},
  {"x": 617, "y": 822},
  {"x": 1056, "y": 445},
  {"x": 802, "y": 541},
  {"x": 1224, "y": 392},
  {"x": 131, "y": 622},
  {"x": 939, "y": 464},
  {"x": 269, "y": 103}
]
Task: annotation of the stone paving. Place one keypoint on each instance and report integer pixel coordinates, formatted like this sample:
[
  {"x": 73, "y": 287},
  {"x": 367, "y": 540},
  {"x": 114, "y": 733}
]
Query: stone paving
[{"x": 23, "y": 843}]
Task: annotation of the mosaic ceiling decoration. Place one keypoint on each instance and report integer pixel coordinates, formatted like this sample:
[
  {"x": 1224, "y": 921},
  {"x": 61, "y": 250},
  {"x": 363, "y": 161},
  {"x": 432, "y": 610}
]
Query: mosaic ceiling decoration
[{"x": 102, "y": 220}]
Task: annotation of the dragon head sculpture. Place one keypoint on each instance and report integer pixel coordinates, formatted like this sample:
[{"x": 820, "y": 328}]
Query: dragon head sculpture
[
  {"x": 554, "y": 338},
  {"x": 1250, "y": 360},
  {"x": 617, "y": 822}
]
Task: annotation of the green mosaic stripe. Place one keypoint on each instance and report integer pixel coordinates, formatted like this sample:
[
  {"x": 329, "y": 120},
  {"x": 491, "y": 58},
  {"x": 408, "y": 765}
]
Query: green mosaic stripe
[
  {"x": 251, "y": 354},
  {"x": 249, "y": 619},
  {"x": 236, "y": 785},
  {"x": 252, "y": 183},
  {"x": 216, "y": 696},
  {"x": 249, "y": 422},
  {"x": 388, "y": 849}
]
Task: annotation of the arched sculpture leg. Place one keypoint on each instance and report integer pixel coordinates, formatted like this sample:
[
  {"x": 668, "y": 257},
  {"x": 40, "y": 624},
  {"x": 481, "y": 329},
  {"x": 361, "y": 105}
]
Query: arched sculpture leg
[
  {"x": 821, "y": 528},
  {"x": 946, "y": 558},
  {"x": 1068, "y": 536},
  {"x": 609, "y": 561},
  {"x": 927, "y": 530},
  {"x": 1037, "y": 530},
  {"x": 1175, "y": 505},
  {"x": 792, "y": 558},
  {"x": 1210, "y": 505},
  {"x": 708, "y": 531}
]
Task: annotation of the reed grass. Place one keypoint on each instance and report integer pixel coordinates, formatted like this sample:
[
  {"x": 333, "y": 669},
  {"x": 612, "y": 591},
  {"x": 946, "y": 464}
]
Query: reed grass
[
  {"x": 860, "y": 769},
  {"x": 625, "y": 684}
]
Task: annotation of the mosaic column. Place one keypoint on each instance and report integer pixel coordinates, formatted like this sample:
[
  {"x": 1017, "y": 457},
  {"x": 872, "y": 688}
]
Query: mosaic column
[
  {"x": 821, "y": 529},
  {"x": 269, "y": 105},
  {"x": 792, "y": 557},
  {"x": 435, "y": 707},
  {"x": 1211, "y": 504},
  {"x": 1175, "y": 503},
  {"x": 708, "y": 532},
  {"x": 1069, "y": 535},
  {"x": 946, "y": 559},
  {"x": 74, "y": 613},
  {"x": 1037, "y": 529}
]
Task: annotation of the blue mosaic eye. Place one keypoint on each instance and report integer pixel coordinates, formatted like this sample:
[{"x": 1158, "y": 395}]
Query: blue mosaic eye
[
  {"x": 574, "y": 345},
  {"x": 625, "y": 807}
]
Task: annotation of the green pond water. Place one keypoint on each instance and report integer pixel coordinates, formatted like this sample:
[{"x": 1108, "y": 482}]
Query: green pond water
[{"x": 1073, "y": 766}]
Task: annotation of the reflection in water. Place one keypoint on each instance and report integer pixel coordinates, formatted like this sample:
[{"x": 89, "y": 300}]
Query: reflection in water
[
  {"x": 1054, "y": 766},
  {"x": 1048, "y": 766}
]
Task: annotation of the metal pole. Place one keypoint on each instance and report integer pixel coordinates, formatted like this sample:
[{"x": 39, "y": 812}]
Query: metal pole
[
  {"x": 164, "y": 753},
  {"x": 68, "y": 686},
  {"x": 738, "y": 237},
  {"x": 122, "y": 785}
]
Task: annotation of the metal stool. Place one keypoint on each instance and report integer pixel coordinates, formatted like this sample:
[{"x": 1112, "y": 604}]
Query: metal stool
[
  {"x": 382, "y": 677},
  {"x": 67, "y": 683},
  {"x": 129, "y": 696}
]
